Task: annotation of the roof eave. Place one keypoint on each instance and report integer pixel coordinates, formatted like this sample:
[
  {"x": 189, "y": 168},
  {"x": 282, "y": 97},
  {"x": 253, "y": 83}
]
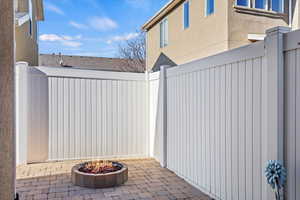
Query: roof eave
[{"x": 161, "y": 14}]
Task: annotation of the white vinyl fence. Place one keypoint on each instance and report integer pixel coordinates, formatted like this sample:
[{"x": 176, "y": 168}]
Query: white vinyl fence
[
  {"x": 215, "y": 121},
  {"x": 226, "y": 116}
]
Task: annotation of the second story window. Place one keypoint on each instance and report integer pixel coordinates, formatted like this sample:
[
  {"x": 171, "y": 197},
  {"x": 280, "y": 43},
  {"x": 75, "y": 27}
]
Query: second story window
[
  {"x": 163, "y": 33},
  {"x": 242, "y": 2},
  {"x": 272, "y": 5},
  {"x": 210, "y": 7},
  {"x": 186, "y": 14},
  {"x": 277, "y": 5},
  {"x": 260, "y": 4}
]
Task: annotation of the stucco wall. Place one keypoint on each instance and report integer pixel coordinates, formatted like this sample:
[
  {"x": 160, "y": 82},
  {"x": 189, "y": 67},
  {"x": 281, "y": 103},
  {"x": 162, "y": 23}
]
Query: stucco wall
[
  {"x": 296, "y": 15},
  {"x": 206, "y": 35},
  {"x": 242, "y": 24},
  {"x": 26, "y": 44}
]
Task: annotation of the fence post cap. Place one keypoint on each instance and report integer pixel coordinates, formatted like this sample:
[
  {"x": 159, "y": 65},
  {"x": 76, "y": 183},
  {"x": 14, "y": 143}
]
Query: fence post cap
[
  {"x": 22, "y": 64},
  {"x": 281, "y": 29}
]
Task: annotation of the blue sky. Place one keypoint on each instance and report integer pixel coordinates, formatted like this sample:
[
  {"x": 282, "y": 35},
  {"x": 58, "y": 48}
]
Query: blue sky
[{"x": 92, "y": 27}]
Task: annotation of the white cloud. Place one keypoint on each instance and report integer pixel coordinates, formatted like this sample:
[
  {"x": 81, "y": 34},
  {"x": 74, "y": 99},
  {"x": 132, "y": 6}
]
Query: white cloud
[
  {"x": 78, "y": 25},
  {"x": 54, "y": 37},
  {"x": 102, "y": 23},
  {"x": 125, "y": 37},
  {"x": 71, "y": 43},
  {"x": 54, "y": 8},
  {"x": 50, "y": 37},
  {"x": 65, "y": 40},
  {"x": 67, "y": 37}
]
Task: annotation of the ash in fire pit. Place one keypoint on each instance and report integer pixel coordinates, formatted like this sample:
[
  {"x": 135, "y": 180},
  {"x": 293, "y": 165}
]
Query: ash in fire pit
[
  {"x": 99, "y": 174},
  {"x": 100, "y": 167}
]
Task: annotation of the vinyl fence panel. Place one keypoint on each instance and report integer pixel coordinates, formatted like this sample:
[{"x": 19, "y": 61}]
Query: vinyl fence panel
[
  {"x": 96, "y": 115},
  {"x": 38, "y": 115},
  {"x": 215, "y": 132},
  {"x": 31, "y": 114},
  {"x": 292, "y": 115}
]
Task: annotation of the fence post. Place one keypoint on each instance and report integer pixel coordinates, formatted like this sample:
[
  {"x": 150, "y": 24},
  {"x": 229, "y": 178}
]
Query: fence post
[
  {"x": 163, "y": 79},
  {"x": 275, "y": 63},
  {"x": 21, "y": 112},
  {"x": 148, "y": 111}
]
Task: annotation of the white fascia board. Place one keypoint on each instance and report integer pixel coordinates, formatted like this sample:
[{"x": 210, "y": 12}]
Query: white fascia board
[
  {"x": 256, "y": 37},
  {"x": 21, "y": 18},
  {"x": 158, "y": 12}
]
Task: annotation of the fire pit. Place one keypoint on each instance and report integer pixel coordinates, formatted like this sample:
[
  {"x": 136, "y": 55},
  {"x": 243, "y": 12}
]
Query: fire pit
[{"x": 99, "y": 174}]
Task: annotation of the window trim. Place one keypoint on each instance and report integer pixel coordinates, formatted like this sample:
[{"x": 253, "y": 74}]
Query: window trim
[
  {"x": 260, "y": 12},
  {"x": 30, "y": 12},
  {"x": 248, "y": 6},
  {"x": 268, "y": 6},
  {"x": 163, "y": 33}
]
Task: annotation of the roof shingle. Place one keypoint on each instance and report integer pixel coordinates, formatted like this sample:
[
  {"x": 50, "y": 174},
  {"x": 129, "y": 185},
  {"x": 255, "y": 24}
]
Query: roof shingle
[{"x": 85, "y": 62}]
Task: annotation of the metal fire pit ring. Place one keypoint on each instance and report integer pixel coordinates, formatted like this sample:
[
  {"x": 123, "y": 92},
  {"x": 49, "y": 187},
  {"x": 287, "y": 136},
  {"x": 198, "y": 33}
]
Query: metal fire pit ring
[{"x": 90, "y": 180}]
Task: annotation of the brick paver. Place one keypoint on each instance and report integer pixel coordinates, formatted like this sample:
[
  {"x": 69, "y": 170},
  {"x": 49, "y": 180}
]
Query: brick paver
[{"x": 147, "y": 180}]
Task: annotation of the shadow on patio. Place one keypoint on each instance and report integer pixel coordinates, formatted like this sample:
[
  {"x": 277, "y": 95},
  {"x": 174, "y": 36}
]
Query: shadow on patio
[{"x": 147, "y": 180}]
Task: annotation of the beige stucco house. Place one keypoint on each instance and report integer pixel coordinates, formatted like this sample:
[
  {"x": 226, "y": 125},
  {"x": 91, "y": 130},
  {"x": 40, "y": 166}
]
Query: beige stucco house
[
  {"x": 185, "y": 30},
  {"x": 27, "y": 15}
]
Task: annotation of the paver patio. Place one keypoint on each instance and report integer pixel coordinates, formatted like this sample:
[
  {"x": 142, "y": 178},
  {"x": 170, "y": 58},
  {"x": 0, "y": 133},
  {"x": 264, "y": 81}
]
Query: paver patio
[{"x": 147, "y": 180}]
